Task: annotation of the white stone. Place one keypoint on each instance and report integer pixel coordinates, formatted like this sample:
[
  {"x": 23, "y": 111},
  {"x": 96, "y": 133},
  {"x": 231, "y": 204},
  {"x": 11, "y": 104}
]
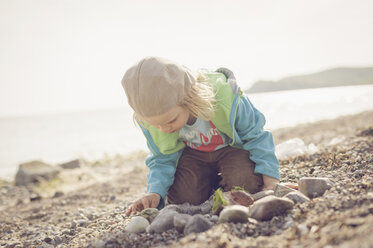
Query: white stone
[
  {"x": 137, "y": 224},
  {"x": 234, "y": 213}
]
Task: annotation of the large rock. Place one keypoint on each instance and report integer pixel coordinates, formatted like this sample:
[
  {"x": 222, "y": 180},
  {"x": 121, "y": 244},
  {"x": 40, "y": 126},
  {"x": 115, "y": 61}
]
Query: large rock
[
  {"x": 235, "y": 214},
  {"x": 180, "y": 221},
  {"x": 137, "y": 224},
  {"x": 297, "y": 197},
  {"x": 314, "y": 186},
  {"x": 270, "y": 206},
  {"x": 163, "y": 222},
  {"x": 33, "y": 171},
  {"x": 196, "y": 224},
  {"x": 74, "y": 164},
  {"x": 262, "y": 194},
  {"x": 281, "y": 190}
]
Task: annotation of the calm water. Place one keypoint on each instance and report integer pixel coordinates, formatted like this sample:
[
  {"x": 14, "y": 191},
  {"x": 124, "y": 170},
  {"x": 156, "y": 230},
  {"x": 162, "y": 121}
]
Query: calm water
[{"x": 61, "y": 137}]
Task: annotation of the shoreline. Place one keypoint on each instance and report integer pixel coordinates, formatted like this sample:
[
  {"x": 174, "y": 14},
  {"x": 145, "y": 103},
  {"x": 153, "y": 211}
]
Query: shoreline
[{"x": 280, "y": 135}]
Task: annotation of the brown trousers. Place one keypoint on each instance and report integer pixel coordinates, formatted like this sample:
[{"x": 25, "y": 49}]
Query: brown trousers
[{"x": 199, "y": 173}]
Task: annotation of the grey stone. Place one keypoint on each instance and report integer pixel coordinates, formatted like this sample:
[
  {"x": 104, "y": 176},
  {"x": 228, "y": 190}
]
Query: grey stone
[
  {"x": 33, "y": 171},
  {"x": 314, "y": 186},
  {"x": 172, "y": 207},
  {"x": 235, "y": 214},
  {"x": 297, "y": 197},
  {"x": 282, "y": 190},
  {"x": 207, "y": 206},
  {"x": 149, "y": 214},
  {"x": 58, "y": 194},
  {"x": 270, "y": 206},
  {"x": 198, "y": 223},
  {"x": 74, "y": 164},
  {"x": 137, "y": 224},
  {"x": 57, "y": 240},
  {"x": 262, "y": 194},
  {"x": 163, "y": 222},
  {"x": 180, "y": 221},
  {"x": 214, "y": 218}
]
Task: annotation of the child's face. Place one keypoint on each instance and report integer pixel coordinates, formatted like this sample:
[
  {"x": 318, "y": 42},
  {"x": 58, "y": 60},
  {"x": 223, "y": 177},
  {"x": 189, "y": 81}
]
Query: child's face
[{"x": 171, "y": 121}]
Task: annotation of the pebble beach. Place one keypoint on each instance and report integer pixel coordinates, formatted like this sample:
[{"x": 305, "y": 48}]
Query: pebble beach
[{"x": 84, "y": 206}]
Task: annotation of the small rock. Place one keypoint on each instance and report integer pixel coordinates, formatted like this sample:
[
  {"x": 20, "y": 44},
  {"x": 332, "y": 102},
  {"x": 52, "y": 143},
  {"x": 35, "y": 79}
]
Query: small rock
[
  {"x": 214, "y": 218},
  {"x": 57, "y": 240},
  {"x": 82, "y": 223},
  {"x": 196, "y": 224},
  {"x": 282, "y": 190},
  {"x": 262, "y": 194},
  {"x": 207, "y": 206},
  {"x": 163, "y": 222},
  {"x": 234, "y": 197},
  {"x": 58, "y": 194},
  {"x": 31, "y": 172},
  {"x": 171, "y": 207},
  {"x": 74, "y": 223},
  {"x": 98, "y": 244},
  {"x": 270, "y": 206},
  {"x": 35, "y": 196},
  {"x": 180, "y": 221},
  {"x": 235, "y": 214},
  {"x": 137, "y": 224},
  {"x": 149, "y": 214},
  {"x": 297, "y": 197},
  {"x": 314, "y": 186},
  {"x": 71, "y": 165},
  {"x": 48, "y": 240},
  {"x": 302, "y": 229},
  {"x": 291, "y": 185}
]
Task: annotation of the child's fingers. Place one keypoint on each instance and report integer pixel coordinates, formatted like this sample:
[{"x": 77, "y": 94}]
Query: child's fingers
[
  {"x": 130, "y": 210},
  {"x": 145, "y": 203}
]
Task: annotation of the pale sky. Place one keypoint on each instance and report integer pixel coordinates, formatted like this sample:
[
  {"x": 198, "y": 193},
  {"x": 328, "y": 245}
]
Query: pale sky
[{"x": 69, "y": 55}]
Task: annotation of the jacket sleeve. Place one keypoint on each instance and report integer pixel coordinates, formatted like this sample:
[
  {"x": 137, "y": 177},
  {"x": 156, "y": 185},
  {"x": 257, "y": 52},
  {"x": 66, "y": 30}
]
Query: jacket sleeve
[
  {"x": 249, "y": 126},
  {"x": 161, "y": 172}
]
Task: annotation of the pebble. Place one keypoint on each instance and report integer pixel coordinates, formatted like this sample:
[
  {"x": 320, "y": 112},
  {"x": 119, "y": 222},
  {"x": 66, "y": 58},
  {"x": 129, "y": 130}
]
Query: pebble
[
  {"x": 137, "y": 224},
  {"x": 149, "y": 214},
  {"x": 196, "y": 224},
  {"x": 180, "y": 221},
  {"x": 262, "y": 194},
  {"x": 282, "y": 190},
  {"x": 163, "y": 222},
  {"x": 314, "y": 186},
  {"x": 270, "y": 206},
  {"x": 235, "y": 214},
  {"x": 297, "y": 197},
  {"x": 302, "y": 229}
]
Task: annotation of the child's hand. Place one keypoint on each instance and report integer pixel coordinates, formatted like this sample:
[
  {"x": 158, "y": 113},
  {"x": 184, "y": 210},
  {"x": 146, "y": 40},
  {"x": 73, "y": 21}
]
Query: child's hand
[
  {"x": 269, "y": 182},
  {"x": 149, "y": 201}
]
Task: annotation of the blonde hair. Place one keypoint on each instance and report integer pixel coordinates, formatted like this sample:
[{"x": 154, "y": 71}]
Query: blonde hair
[{"x": 200, "y": 100}]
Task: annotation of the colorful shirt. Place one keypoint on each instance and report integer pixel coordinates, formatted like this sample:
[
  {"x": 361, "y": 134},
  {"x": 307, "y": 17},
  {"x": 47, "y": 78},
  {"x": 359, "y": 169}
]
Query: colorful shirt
[{"x": 203, "y": 136}]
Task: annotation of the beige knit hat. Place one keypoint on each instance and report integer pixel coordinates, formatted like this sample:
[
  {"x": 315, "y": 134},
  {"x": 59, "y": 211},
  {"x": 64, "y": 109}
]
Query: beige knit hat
[{"x": 155, "y": 85}]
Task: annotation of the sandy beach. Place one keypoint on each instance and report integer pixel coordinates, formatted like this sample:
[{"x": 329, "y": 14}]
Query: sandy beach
[{"x": 84, "y": 207}]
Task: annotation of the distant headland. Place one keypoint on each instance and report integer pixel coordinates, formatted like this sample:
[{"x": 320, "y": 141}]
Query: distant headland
[{"x": 341, "y": 76}]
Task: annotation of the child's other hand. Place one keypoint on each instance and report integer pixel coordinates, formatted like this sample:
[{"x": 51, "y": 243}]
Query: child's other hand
[
  {"x": 149, "y": 201},
  {"x": 269, "y": 182}
]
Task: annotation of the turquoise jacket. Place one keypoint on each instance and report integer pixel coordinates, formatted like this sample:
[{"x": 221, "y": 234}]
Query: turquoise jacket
[{"x": 235, "y": 116}]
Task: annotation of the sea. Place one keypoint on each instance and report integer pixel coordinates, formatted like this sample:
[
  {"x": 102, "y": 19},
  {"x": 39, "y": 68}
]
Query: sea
[{"x": 91, "y": 135}]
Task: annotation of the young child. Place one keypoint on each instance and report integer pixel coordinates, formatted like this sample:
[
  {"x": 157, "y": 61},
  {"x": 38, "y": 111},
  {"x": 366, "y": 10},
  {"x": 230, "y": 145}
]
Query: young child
[{"x": 202, "y": 133}]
